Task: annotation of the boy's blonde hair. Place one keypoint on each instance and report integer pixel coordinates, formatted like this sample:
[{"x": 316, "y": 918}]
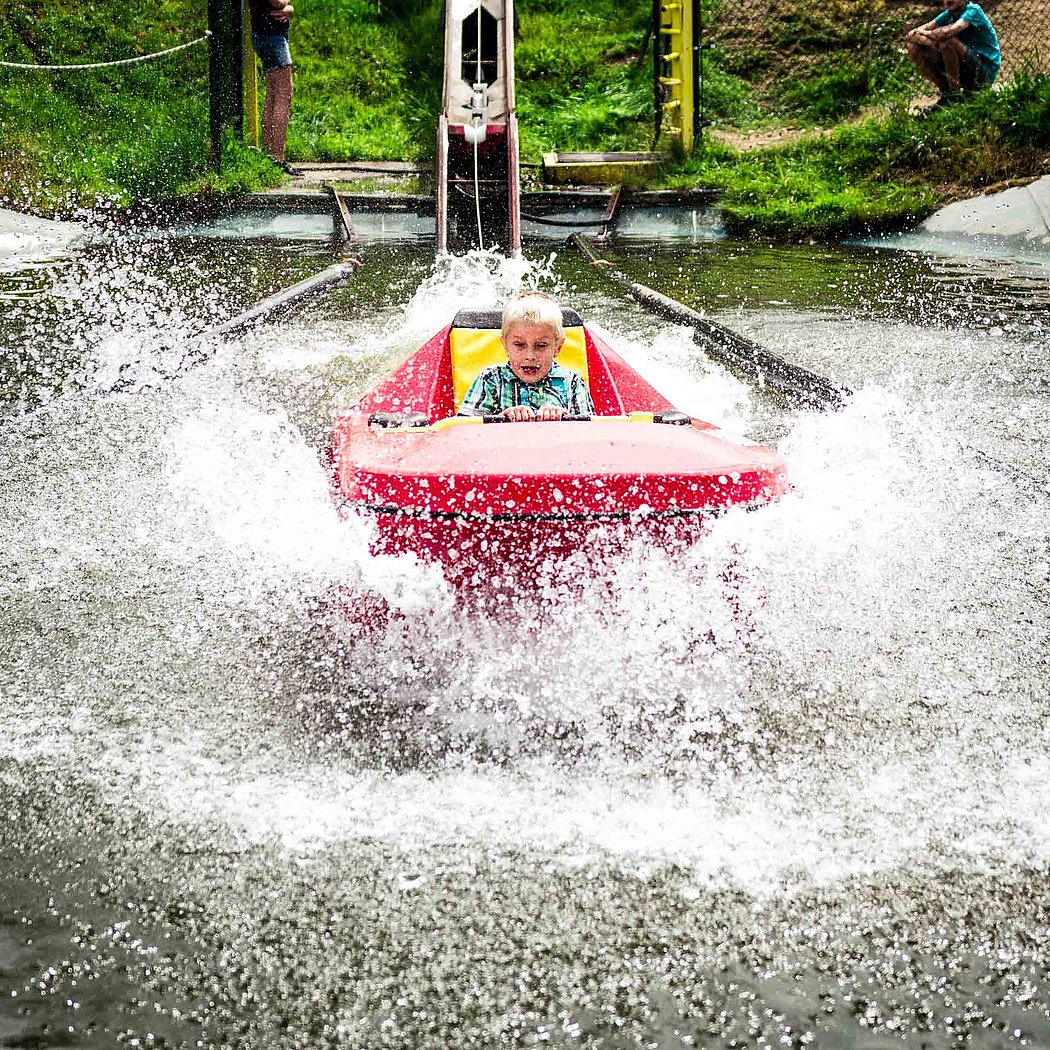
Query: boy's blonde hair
[{"x": 536, "y": 308}]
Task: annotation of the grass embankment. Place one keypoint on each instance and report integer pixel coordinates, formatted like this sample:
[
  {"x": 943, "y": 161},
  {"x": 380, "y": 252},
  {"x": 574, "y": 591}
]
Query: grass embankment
[
  {"x": 368, "y": 83},
  {"x": 125, "y": 133},
  {"x": 368, "y": 86},
  {"x": 879, "y": 172}
]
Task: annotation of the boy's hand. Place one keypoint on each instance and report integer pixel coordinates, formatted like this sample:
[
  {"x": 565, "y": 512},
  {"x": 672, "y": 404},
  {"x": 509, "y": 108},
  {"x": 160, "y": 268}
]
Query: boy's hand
[
  {"x": 550, "y": 412},
  {"x": 522, "y": 413},
  {"x": 519, "y": 413}
]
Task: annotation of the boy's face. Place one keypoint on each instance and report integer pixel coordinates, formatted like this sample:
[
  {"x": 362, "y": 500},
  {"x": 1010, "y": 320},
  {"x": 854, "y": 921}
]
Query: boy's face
[{"x": 531, "y": 349}]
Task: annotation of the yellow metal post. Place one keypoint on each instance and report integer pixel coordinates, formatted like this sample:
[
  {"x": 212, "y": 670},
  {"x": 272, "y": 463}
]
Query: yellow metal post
[
  {"x": 251, "y": 87},
  {"x": 688, "y": 113},
  {"x": 676, "y": 26}
]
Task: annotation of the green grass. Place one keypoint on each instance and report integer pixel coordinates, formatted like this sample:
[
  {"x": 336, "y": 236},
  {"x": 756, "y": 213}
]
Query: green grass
[
  {"x": 880, "y": 172},
  {"x": 368, "y": 83},
  {"x": 815, "y": 64},
  {"x": 579, "y": 82},
  {"x": 367, "y": 80},
  {"x": 122, "y": 134}
]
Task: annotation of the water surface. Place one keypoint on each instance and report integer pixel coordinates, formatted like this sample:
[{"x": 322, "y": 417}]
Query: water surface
[{"x": 635, "y": 814}]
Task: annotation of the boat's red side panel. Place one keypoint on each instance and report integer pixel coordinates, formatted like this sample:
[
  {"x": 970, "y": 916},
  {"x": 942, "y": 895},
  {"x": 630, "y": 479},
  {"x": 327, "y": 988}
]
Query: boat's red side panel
[{"x": 617, "y": 389}]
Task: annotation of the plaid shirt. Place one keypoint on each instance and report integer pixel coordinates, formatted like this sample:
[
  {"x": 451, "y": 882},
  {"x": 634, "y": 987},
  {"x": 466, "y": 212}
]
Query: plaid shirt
[{"x": 498, "y": 388}]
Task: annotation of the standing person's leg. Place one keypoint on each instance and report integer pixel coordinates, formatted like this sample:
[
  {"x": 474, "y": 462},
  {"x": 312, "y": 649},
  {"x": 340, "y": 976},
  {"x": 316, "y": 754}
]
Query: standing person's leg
[
  {"x": 266, "y": 122},
  {"x": 277, "y": 111},
  {"x": 276, "y": 59}
]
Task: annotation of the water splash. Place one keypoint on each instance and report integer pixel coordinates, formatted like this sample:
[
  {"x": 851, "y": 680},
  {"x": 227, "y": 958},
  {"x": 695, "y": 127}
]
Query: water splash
[
  {"x": 745, "y": 708},
  {"x": 479, "y": 280}
]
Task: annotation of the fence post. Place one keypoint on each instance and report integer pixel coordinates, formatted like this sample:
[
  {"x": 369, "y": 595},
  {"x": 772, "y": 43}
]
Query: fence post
[{"x": 225, "y": 72}]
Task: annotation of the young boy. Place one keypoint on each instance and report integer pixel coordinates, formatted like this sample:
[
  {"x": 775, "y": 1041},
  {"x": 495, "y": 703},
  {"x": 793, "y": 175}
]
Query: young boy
[{"x": 530, "y": 385}]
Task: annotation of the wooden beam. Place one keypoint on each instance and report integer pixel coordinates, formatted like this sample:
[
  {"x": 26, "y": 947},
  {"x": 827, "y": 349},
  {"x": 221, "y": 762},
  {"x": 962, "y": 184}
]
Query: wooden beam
[
  {"x": 344, "y": 225},
  {"x": 610, "y": 212}
]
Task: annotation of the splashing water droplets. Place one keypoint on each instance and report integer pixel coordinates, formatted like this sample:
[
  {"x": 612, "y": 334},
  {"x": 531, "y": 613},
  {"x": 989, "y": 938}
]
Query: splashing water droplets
[{"x": 726, "y": 782}]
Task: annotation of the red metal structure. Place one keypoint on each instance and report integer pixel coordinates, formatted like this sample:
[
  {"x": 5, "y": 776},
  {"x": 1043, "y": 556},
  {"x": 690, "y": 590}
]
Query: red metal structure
[{"x": 477, "y": 148}]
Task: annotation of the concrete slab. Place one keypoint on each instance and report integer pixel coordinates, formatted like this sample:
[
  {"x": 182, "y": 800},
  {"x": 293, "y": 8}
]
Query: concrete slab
[
  {"x": 392, "y": 175},
  {"x": 1012, "y": 224},
  {"x": 1021, "y": 211},
  {"x": 600, "y": 169}
]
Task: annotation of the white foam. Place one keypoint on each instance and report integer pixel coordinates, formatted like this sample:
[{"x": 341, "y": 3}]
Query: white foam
[{"x": 26, "y": 238}]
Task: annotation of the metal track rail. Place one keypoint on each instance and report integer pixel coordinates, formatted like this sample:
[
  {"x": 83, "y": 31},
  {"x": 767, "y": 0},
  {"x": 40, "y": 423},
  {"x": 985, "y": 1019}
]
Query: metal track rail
[
  {"x": 741, "y": 355},
  {"x": 477, "y": 131}
]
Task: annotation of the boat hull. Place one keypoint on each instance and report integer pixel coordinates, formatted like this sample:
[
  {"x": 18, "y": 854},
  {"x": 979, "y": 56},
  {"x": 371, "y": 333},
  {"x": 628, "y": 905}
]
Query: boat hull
[
  {"x": 477, "y": 497},
  {"x": 478, "y": 548}
]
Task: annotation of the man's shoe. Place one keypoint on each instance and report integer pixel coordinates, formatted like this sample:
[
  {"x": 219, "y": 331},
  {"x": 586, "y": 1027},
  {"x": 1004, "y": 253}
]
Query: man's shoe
[{"x": 949, "y": 98}]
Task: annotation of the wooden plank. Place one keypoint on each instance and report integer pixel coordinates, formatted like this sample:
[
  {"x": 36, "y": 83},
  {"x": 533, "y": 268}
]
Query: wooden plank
[
  {"x": 343, "y": 223},
  {"x": 610, "y": 212}
]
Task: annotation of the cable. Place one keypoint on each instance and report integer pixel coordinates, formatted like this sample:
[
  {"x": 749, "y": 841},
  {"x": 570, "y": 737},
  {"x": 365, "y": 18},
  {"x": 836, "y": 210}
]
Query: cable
[
  {"x": 105, "y": 65},
  {"x": 477, "y": 198}
]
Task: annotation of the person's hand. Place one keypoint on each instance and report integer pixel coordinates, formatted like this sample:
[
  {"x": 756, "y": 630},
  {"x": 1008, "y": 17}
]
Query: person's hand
[
  {"x": 548, "y": 413},
  {"x": 519, "y": 413}
]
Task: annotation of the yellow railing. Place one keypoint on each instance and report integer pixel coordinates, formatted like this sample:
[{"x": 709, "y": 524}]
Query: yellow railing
[{"x": 676, "y": 27}]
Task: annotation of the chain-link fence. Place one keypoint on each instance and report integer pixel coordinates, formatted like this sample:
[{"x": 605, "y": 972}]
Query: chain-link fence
[{"x": 823, "y": 61}]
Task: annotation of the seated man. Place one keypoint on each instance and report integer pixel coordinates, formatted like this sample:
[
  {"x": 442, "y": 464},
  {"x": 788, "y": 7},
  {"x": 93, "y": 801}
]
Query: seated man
[
  {"x": 530, "y": 385},
  {"x": 957, "y": 51}
]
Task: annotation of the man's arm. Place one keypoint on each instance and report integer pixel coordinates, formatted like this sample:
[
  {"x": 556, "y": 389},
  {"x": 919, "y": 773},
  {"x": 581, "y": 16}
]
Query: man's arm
[
  {"x": 934, "y": 32},
  {"x": 919, "y": 34},
  {"x": 945, "y": 32}
]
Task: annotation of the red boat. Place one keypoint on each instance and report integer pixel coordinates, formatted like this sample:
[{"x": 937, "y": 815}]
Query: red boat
[{"x": 470, "y": 494}]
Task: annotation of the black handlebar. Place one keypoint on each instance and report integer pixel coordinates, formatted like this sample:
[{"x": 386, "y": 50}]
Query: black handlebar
[{"x": 560, "y": 419}]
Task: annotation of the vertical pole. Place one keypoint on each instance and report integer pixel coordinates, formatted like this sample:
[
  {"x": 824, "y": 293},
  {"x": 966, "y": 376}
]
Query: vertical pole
[
  {"x": 225, "y": 72},
  {"x": 251, "y": 87},
  {"x": 513, "y": 158},
  {"x": 441, "y": 206},
  {"x": 687, "y": 115}
]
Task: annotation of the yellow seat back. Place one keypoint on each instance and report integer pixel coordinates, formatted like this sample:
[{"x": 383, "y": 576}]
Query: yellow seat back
[{"x": 474, "y": 344}]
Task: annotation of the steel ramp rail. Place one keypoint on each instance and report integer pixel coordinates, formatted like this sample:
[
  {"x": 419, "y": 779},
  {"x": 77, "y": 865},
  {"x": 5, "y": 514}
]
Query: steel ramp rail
[{"x": 478, "y": 193}]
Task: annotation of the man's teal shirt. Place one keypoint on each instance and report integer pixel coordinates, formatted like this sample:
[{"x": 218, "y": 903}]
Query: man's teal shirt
[{"x": 980, "y": 37}]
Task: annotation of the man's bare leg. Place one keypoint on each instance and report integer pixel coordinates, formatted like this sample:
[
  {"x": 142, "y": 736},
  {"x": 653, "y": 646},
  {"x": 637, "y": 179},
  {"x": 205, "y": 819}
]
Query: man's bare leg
[
  {"x": 927, "y": 58},
  {"x": 276, "y": 110}
]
